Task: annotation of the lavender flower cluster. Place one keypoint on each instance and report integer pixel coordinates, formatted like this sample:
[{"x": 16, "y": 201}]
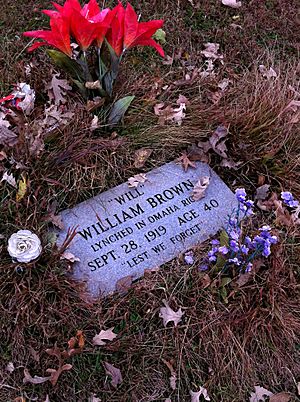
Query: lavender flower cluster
[
  {"x": 240, "y": 251},
  {"x": 288, "y": 199}
]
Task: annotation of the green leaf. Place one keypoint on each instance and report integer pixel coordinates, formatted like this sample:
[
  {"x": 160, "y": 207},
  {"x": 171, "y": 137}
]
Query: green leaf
[
  {"x": 119, "y": 109},
  {"x": 64, "y": 62},
  {"x": 224, "y": 239},
  {"x": 160, "y": 36}
]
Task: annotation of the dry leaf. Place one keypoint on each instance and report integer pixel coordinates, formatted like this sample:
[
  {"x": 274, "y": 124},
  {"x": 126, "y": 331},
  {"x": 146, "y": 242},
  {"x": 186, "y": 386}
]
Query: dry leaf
[
  {"x": 205, "y": 281},
  {"x": 298, "y": 388},
  {"x": 167, "y": 314},
  {"x": 57, "y": 90},
  {"x": 195, "y": 396},
  {"x": 36, "y": 145},
  {"x": 219, "y": 146},
  {"x": 211, "y": 51},
  {"x": 267, "y": 73},
  {"x": 54, "y": 117},
  {"x": 54, "y": 374},
  {"x": 115, "y": 374},
  {"x": 10, "y": 367},
  {"x": 141, "y": 156},
  {"x": 281, "y": 397},
  {"x": 108, "y": 335},
  {"x": 262, "y": 192},
  {"x": 124, "y": 284},
  {"x": 200, "y": 188},
  {"x": 173, "y": 377},
  {"x": 93, "y": 85},
  {"x": 224, "y": 84},
  {"x": 34, "y": 380},
  {"x": 260, "y": 394},
  {"x": 3, "y": 121},
  {"x": 93, "y": 398},
  {"x": 9, "y": 178},
  {"x": 94, "y": 123},
  {"x": 171, "y": 114},
  {"x": 136, "y": 180},
  {"x": 185, "y": 161},
  {"x": 7, "y": 137},
  {"x": 232, "y": 3},
  {"x": 56, "y": 220},
  {"x": 22, "y": 188},
  {"x": 66, "y": 255}
]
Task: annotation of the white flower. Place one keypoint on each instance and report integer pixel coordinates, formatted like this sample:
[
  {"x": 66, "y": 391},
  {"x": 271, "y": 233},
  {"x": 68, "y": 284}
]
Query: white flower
[{"x": 24, "y": 246}]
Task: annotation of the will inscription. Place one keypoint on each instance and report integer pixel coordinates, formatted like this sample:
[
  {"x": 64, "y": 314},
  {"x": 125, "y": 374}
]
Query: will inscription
[{"x": 124, "y": 231}]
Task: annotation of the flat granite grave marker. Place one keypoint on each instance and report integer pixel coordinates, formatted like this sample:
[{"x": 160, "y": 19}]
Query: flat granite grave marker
[{"x": 125, "y": 231}]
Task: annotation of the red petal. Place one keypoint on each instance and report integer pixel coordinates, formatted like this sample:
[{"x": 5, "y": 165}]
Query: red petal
[
  {"x": 35, "y": 46},
  {"x": 91, "y": 9},
  {"x": 152, "y": 43},
  {"x": 147, "y": 29},
  {"x": 130, "y": 26},
  {"x": 116, "y": 33}
]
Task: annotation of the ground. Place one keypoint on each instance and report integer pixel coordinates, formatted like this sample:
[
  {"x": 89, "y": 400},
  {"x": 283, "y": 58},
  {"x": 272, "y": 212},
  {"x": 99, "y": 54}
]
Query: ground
[{"x": 226, "y": 343}]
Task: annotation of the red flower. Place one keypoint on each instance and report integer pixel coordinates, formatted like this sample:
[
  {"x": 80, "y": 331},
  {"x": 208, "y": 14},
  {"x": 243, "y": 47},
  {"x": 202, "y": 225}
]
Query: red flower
[
  {"x": 58, "y": 36},
  {"x": 86, "y": 24},
  {"x": 126, "y": 32},
  {"x": 115, "y": 34},
  {"x": 140, "y": 33}
]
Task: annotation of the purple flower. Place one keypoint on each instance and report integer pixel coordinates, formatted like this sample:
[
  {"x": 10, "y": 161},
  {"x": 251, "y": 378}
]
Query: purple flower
[
  {"x": 235, "y": 261},
  {"x": 244, "y": 249},
  {"x": 288, "y": 199},
  {"x": 203, "y": 267},
  {"x": 189, "y": 258},
  {"x": 240, "y": 194},
  {"x": 234, "y": 246},
  {"x": 223, "y": 250},
  {"x": 215, "y": 242},
  {"x": 248, "y": 267},
  {"x": 212, "y": 258}
]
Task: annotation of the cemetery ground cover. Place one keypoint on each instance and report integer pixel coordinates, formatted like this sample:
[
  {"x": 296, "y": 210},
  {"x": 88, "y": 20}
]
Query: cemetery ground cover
[{"x": 233, "y": 336}]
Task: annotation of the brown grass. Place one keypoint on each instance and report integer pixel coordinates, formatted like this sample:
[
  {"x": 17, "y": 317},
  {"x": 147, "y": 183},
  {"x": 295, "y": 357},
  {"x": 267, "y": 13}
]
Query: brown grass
[{"x": 228, "y": 347}]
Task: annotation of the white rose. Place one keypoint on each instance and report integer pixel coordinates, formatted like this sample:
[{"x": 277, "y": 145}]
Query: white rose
[{"x": 24, "y": 246}]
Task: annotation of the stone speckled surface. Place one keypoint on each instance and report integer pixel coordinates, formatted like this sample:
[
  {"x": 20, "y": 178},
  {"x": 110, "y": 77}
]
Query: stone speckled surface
[{"x": 124, "y": 231}]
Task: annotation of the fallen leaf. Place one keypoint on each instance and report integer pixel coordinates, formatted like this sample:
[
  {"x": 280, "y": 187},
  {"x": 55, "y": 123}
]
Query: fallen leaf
[
  {"x": 171, "y": 114},
  {"x": 56, "y": 220},
  {"x": 232, "y": 3},
  {"x": 195, "y": 396},
  {"x": 262, "y": 192},
  {"x": 3, "y": 156},
  {"x": 186, "y": 162},
  {"x": 217, "y": 135},
  {"x": 200, "y": 188},
  {"x": 205, "y": 281},
  {"x": 22, "y": 188},
  {"x": 54, "y": 117},
  {"x": 93, "y": 85},
  {"x": 243, "y": 279},
  {"x": 94, "y": 123},
  {"x": 260, "y": 394},
  {"x": 3, "y": 121},
  {"x": 281, "y": 397},
  {"x": 168, "y": 315},
  {"x": 136, "y": 180},
  {"x": 141, "y": 156},
  {"x": 57, "y": 89},
  {"x": 36, "y": 145},
  {"x": 9, "y": 178},
  {"x": 224, "y": 84},
  {"x": 66, "y": 255},
  {"x": 95, "y": 103},
  {"x": 93, "y": 398},
  {"x": 283, "y": 217},
  {"x": 34, "y": 380},
  {"x": 10, "y": 367},
  {"x": 7, "y": 137},
  {"x": 124, "y": 284},
  {"x": 211, "y": 51},
  {"x": 267, "y": 73},
  {"x": 173, "y": 377},
  {"x": 115, "y": 374},
  {"x": 55, "y": 373},
  {"x": 108, "y": 335},
  {"x": 298, "y": 388}
]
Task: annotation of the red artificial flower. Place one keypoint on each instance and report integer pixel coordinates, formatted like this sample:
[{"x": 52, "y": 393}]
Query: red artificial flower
[
  {"x": 140, "y": 33},
  {"x": 86, "y": 24},
  {"x": 58, "y": 36},
  {"x": 115, "y": 34}
]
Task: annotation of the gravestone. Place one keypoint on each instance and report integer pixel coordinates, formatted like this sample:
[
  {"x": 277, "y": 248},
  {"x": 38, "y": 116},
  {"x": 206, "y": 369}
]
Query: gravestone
[{"x": 124, "y": 231}]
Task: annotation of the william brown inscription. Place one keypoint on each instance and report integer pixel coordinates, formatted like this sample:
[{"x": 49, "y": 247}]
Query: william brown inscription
[{"x": 124, "y": 231}]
